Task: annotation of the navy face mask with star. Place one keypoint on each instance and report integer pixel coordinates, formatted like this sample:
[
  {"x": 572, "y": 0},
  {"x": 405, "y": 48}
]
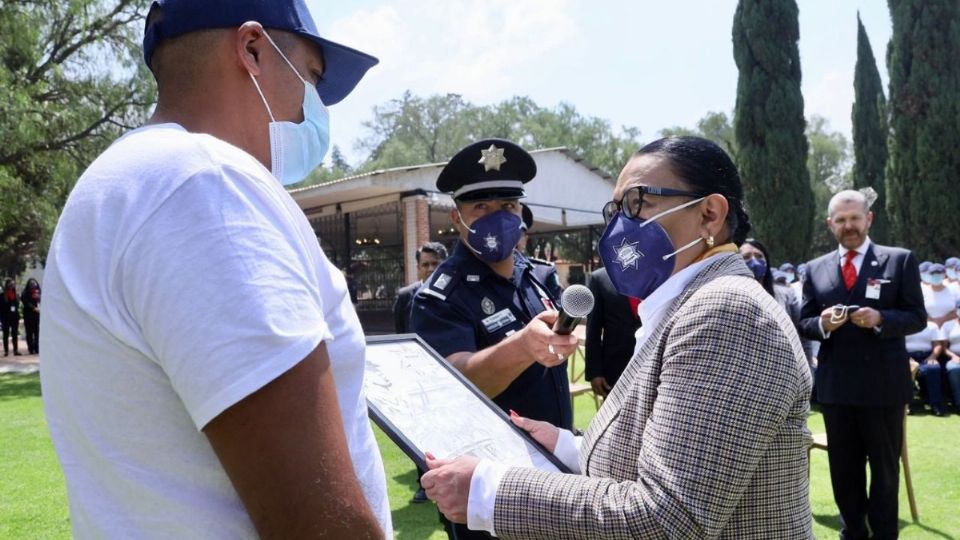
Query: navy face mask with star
[
  {"x": 494, "y": 236},
  {"x": 638, "y": 254}
]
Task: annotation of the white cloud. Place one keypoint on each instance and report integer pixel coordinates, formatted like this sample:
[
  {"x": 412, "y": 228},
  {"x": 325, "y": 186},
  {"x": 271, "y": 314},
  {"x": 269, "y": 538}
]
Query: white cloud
[{"x": 479, "y": 49}]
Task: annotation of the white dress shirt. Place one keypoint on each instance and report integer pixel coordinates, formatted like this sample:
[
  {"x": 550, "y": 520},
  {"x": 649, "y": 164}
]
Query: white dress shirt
[{"x": 482, "y": 498}]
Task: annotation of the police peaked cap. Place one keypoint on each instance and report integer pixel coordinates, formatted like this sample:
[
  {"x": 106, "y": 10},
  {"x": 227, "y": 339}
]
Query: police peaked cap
[
  {"x": 527, "y": 217},
  {"x": 487, "y": 169}
]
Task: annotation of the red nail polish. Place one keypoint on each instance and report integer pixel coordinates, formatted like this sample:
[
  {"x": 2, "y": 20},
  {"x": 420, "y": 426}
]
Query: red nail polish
[
  {"x": 430, "y": 456},
  {"x": 513, "y": 413}
]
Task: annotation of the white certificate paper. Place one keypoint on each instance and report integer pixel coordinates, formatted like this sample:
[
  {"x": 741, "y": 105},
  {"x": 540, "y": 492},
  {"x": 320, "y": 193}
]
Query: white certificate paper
[{"x": 426, "y": 405}]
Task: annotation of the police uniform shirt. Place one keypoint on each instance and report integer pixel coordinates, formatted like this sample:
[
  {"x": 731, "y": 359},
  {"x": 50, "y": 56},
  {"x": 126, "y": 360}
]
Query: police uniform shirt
[
  {"x": 546, "y": 273},
  {"x": 466, "y": 307}
]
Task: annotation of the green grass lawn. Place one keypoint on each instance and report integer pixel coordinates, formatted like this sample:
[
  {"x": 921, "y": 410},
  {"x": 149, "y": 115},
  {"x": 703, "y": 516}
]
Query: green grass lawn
[{"x": 33, "y": 500}]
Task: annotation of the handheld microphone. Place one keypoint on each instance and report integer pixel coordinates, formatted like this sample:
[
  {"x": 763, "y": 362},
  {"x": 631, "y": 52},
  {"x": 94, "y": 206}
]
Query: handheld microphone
[{"x": 577, "y": 302}]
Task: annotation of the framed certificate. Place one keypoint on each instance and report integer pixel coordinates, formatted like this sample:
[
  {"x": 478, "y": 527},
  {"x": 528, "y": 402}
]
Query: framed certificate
[{"x": 426, "y": 405}]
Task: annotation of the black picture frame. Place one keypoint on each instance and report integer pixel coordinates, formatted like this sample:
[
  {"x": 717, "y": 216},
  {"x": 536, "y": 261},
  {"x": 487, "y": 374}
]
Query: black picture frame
[{"x": 408, "y": 447}]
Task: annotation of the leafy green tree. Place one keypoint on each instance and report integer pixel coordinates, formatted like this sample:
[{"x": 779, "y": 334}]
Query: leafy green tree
[
  {"x": 714, "y": 126},
  {"x": 769, "y": 126},
  {"x": 413, "y": 130},
  {"x": 924, "y": 165},
  {"x": 828, "y": 164},
  {"x": 70, "y": 83},
  {"x": 870, "y": 132}
]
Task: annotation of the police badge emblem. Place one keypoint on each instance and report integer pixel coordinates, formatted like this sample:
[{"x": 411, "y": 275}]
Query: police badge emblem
[
  {"x": 492, "y": 242},
  {"x": 487, "y": 306},
  {"x": 628, "y": 256}
]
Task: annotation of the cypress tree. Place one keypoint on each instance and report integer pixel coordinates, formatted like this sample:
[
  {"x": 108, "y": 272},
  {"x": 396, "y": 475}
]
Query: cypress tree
[
  {"x": 769, "y": 126},
  {"x": 924, "y": 162},
  {"x": 870, "y": 131}
]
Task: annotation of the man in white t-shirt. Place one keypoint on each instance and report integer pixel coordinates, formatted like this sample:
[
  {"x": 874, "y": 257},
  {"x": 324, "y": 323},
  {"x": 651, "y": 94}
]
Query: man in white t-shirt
[{"x": 203, "y": 364}]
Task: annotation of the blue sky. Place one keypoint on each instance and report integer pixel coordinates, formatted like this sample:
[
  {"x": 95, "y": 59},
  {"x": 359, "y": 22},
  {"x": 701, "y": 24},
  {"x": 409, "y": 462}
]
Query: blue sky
[{"x": 637, "y": 63}]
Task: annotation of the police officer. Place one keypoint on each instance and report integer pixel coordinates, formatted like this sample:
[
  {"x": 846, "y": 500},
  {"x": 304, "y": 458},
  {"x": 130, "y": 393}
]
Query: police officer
[
  {"x": 483, "y": 308},
  {"x": 543, "y": 269}
]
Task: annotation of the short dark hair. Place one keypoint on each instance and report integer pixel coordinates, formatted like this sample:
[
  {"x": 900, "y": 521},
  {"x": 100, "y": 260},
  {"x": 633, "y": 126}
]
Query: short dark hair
[
  {"x": 767, "y": 279},
  {"x": 705, "y": 166},
  {"x": 435, "y": 248}
]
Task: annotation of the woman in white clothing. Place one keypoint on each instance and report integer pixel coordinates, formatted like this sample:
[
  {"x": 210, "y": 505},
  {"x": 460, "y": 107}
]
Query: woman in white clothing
[
  {"x": 938, "y": 300},
  {"x": 924, "y": 349},
  {"x": 951, "y": 340}
]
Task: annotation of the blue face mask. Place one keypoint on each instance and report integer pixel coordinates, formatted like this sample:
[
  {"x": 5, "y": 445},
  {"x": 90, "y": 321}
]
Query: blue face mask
[
  {"x": 936, "y": 279},
  {"x": 924, "y": 277},
  {"x": 952, "y": 273},
  {"x": 638, "y": 255},
  {"x": 758, "y": 267},
  {"x": 297, "y": 149},
  {"x": 494, "y": 236}
]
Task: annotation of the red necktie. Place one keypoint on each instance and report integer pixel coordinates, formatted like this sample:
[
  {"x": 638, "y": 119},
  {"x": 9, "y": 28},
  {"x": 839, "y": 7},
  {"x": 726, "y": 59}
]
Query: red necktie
[
  {"x": 849, "y": 270},
  {"x": 634, "y": 307}
]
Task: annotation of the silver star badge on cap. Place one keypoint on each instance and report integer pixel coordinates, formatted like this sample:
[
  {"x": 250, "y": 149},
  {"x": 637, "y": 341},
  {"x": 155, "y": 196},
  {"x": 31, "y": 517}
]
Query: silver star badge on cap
[{"x": 492, "y": 158}]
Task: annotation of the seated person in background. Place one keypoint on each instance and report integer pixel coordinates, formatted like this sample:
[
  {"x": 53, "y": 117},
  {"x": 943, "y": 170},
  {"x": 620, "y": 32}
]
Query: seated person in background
[
  {"x": 610, "y": 333},
  {"x": 429, "y": 257},
  {"x": 925, "y": 273},
  {"x": 789, "y": 272},
  {"x": 950, "y": 335},
  {"x": 938, "y": 300},
  {"x": 924, "y": 348},
  {"x": 952, "y": 266}
]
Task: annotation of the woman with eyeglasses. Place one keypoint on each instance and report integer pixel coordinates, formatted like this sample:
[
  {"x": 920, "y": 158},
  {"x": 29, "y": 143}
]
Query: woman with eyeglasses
[{"x": 705, "y": 435}]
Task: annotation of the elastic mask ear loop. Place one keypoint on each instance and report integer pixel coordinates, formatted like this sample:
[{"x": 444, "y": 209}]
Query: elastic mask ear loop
[
  {"x": 270, "y": 39},
  {"x": 464, "y": 223},
  {"x": 265, "y": 104},
  {"x": 688, "y": 246},
  {"x": 669, "y": 210}
]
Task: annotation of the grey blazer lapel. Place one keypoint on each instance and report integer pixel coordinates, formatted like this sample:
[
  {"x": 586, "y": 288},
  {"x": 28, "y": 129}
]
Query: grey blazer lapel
[{"x": 725, "y": 264}]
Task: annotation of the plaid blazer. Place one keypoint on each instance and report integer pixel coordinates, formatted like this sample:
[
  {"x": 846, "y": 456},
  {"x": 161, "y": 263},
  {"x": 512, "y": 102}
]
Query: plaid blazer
[{"x": 704, "y": 436}]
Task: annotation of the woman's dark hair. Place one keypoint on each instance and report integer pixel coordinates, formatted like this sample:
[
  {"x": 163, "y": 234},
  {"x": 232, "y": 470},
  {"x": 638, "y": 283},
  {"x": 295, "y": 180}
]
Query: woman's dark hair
[
  {"x": 767, "y": 280},
  {"x": 707, "y": 168}
]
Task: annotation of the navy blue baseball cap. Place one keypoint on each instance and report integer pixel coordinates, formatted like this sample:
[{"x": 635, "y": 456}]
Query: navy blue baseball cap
[{"x": 343, "y": 66}]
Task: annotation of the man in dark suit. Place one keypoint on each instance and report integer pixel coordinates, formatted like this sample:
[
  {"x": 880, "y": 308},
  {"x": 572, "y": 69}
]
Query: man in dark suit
[
  {"x": 429, "y": 256},
  {"x": 610, "y": 333},
  {"x": 863, "y": 378}
]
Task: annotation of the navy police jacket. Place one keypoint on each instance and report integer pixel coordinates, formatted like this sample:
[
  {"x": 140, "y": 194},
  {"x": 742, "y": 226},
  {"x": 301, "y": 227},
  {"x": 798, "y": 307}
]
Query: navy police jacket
[{"x": 466, "y": 307}]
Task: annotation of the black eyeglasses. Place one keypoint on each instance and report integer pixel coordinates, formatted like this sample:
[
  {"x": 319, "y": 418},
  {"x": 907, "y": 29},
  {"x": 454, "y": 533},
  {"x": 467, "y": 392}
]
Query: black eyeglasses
[{"x": 632, "y": 202}]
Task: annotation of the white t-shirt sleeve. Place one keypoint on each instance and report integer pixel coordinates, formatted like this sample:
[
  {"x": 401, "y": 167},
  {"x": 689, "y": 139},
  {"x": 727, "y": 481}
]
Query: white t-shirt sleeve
[{"x": 224, "y": 297}]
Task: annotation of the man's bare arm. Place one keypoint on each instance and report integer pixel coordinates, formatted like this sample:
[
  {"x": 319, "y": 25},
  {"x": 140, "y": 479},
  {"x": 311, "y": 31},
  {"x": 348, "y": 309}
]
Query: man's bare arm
[{"x": 286, "y": 454}]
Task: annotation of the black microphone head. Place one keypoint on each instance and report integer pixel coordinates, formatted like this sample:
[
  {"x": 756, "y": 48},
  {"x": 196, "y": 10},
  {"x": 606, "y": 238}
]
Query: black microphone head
[{"x": 577, "y": 301}]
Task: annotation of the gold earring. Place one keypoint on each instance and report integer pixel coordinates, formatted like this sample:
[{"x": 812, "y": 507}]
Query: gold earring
[{"x": 710, "y": 242}]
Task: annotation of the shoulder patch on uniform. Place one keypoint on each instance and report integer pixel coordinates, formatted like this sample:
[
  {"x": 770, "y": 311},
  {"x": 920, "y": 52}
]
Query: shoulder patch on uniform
[
  {"x": 487, "y": 306},
  {"x": 435, "y": 294},
  {"x": 441, "y": 282}
]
